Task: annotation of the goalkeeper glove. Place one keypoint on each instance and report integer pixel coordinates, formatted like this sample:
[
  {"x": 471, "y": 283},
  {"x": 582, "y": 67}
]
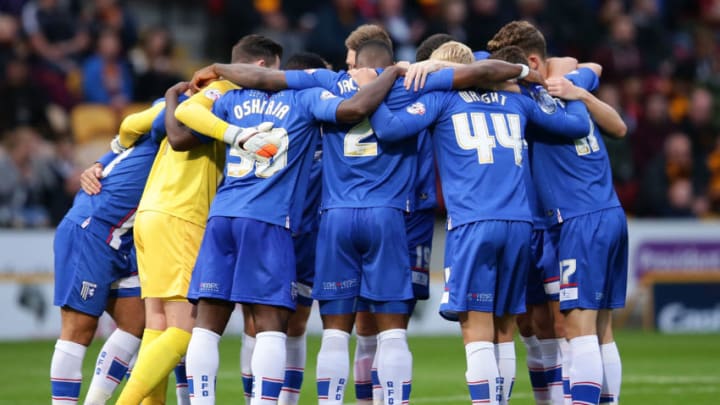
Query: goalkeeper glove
[{"x": 258, "y": 142}]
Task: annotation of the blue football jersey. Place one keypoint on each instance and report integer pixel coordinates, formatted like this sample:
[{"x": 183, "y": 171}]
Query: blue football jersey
[
  {"x": 572, "y": 176},
  {"x": 478, "y": 142},
  {"x": 425, "y": 193},
  {"x": 359, "y": 169},
  {"x": 110, "y": 214},
  {"x": 311, "y": 207},
  {"x": 272, "y": 192}
]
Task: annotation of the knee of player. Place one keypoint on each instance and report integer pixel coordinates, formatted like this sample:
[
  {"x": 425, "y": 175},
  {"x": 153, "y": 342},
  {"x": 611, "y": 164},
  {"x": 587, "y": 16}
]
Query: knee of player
[{"x": 78, "y": 328}]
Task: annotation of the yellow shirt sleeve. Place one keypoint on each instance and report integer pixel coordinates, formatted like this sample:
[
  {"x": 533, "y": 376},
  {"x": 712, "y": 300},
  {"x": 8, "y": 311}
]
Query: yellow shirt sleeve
[
  {"x": 135, "y": 125},
  {"x": 195, "y": 111}
]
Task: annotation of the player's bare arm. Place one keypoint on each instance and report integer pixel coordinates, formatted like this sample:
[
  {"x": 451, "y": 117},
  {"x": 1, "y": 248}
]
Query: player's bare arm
[
  {"x": 367, "y": 99},
  {"x": 417, "y": 72},
  {"x": 486, "y": 72},
  {"x": 242, "y": 74},
  {"x": 179, "y": 136},
  {"x": 604, "y": 115},
  {"x": 560, "y": 66}
]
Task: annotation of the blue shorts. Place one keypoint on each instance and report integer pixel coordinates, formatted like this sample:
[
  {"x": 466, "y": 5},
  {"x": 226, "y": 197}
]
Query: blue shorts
[
  {"x": 362, "y": 252},
  {"x": 419, "y": 226},
  {"x": 543, "y": 283},
  {"x": 305, "y": 245},
  {"x": 486, "y": 268},
  {"x": 88, "y": 271},
  {"x": 351, "y": 305},
  {"x": 593, "y": 253},
  {"x": 246, "y": 261}
]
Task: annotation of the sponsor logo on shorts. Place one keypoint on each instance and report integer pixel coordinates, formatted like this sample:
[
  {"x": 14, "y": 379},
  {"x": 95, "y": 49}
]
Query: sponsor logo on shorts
[
  {"x": 293, "y": 291},
  {"x": 87, "y": 290},
  {"x": 480, "y": 297},
  {"x": 210, "y": 287},
  {"x": 568, "y": 294},
  {"x": 340, "y": 285}
]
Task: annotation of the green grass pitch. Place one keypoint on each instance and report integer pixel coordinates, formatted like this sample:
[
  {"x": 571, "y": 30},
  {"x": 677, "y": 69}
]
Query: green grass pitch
[{"x": 658, "y": 369}]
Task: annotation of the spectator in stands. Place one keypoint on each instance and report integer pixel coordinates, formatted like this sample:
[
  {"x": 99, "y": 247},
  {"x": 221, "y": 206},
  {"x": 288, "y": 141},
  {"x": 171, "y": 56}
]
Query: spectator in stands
[
  {"x": 23, "y": 103},
  {"x": 276, "y": 26},
  {"x": 652, "y": 39},
  {"x": 652, "y": 129},
  {"x": 107, "y": 77},
  {"x": 453, "y": 18},
  {"x": 620, "y": 55},
  {"x": 334, "y": 23},
  {"x": 698, "y": 123},
  {"x": 112, "y": 14},
  {"x": 485, "y": 19},
  {"x": 154, "y": 65},
  {"x": 674, "y": 183},
  {"x": 404, "y": 27},
  {"x": 8, "y": 40},
  {"x": 713, "y": 165},
  {"x": 32, "y": 185},
  {"x": 58, "y": 40}
]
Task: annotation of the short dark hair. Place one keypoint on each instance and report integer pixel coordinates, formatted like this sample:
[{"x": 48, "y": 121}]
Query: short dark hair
[
  {"x": 377, "y": 50},
  {"x": 305, "y": 60},
  {"x": 254, "y": 47},
  {"x": 511, "y": 54},
  {"x": 430, "y": 44}
]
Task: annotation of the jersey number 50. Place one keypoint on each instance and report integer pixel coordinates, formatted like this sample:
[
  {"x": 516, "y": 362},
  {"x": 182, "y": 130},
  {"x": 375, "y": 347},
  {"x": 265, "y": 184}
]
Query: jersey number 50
[{"x": 508, "y": 132}]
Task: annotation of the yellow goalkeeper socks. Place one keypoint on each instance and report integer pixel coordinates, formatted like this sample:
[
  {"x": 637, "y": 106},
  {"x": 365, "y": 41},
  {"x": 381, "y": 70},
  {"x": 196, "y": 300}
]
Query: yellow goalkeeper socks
[{"x": 153, "y": 365}]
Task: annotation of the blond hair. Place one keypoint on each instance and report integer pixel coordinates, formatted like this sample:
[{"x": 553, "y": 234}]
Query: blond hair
[{"x": 453, "y": 51}]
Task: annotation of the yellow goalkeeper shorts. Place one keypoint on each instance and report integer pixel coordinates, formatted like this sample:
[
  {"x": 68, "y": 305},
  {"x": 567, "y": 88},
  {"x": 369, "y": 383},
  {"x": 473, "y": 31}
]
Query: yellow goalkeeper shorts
[{"x": 167, "y": 247}]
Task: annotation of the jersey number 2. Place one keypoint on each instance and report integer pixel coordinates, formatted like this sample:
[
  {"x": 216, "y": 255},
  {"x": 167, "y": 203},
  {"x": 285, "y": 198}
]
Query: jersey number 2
[{"x": 353, "y": 145}]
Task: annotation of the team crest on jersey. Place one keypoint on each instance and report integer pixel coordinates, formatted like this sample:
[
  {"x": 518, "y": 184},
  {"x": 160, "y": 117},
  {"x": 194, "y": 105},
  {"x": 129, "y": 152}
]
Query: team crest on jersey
[
  {"x": 213, "y": 94},
  {"x": 87, "y": 290},
  {"x": 416, "y": 108},
  {"x": 326, "y": 95}
]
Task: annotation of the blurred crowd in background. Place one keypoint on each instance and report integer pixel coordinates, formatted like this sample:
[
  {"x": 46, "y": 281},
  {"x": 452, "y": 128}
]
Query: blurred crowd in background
[{"x": 660, "y": 57}]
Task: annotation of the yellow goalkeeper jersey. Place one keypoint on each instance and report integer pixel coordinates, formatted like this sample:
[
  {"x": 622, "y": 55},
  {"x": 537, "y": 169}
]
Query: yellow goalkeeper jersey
[{"x": 183, "y": 184}]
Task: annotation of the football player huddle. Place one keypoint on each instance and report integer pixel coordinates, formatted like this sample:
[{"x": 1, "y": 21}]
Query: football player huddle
[{"x": 275, "y": 188}]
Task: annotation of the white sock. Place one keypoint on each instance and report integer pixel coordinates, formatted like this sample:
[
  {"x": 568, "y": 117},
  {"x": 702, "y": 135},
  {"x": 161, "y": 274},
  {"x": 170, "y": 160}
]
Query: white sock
[
  {"x": 296, "y": 349},
  {"x": 552, "y": 362},
  {"x": 566, "y": 355},
  {"x": 378, "y": 397},
  {"x": 111, "y": 366},
  {"x": 131, "y": 364},
  {"x": 246, "y": 353},
  {"x": 362, "y": 368},
  {"x": 201, "y": 362},
  {"x": 505, "y": 357},
  {"x": 612, "y": 373},
  {"x": 394, "y": 366},
  {"x": 333, "y": 365},
  {"x": 268, "y": 367},
  {"x": 586, "y": 371},
  {"x": 66, "y": 372},
  {"x": 482, "y": 372},
  {"x": 182, "y": 391},
  {"x": 536, "y": 370}
]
